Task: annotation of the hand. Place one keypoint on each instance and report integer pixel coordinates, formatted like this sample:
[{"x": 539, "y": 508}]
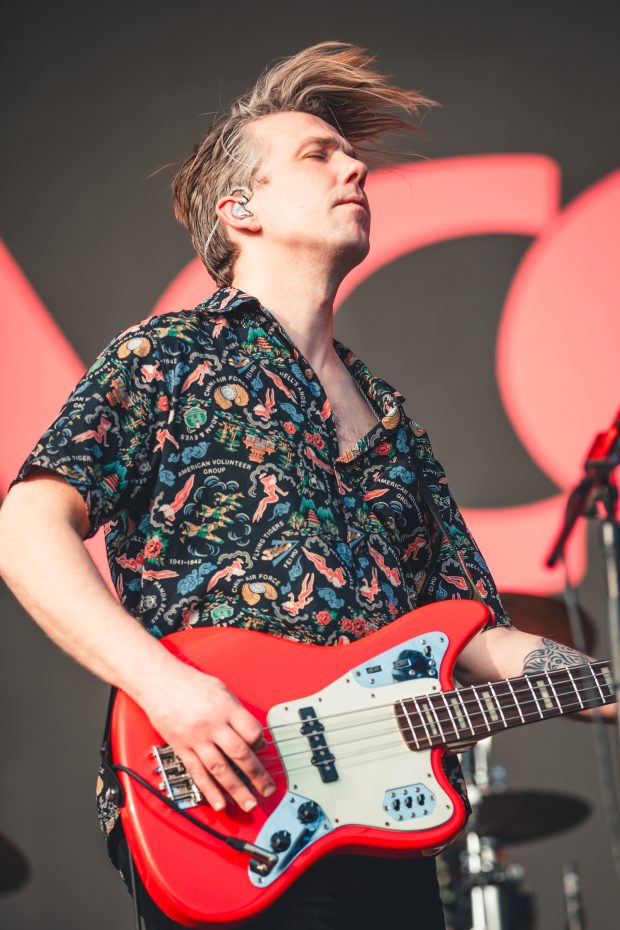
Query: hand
[
  {"x": 208, "y": 728},
  {"x": 608, "y": 713}
]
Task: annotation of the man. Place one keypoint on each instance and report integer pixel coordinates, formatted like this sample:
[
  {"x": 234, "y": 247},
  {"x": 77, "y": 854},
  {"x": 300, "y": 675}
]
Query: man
[{"x": 251, "y": 471}]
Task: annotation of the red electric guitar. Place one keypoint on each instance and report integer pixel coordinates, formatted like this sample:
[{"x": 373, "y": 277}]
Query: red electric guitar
[{"x": 355, "y": 739}]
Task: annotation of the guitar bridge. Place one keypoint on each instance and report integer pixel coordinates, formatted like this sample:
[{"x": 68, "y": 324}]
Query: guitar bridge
[{"x": 176, "y": 781}]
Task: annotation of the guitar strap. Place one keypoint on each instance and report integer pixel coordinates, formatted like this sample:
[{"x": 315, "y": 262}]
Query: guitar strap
[
  {"x": 427, "y": 494},
  {"x": 116, "y": 790},
  {"x": 106, "y": 753}
]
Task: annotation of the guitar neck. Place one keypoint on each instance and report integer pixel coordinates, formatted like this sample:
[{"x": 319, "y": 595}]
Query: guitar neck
[{"x": 454, "y": 717}]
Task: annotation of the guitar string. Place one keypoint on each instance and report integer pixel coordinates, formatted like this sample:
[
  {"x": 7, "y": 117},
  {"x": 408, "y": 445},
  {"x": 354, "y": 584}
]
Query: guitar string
[
  {"x": 396, "y": 745},
  {"x": 279, "y": 761},
  {"x": 443, "y": 717},
  {"x": 463, "y": 702},
  {"x": 384, "y": 748},
  {"x": 585, "y": 670},
  {"x": 461, "y": 737},
  {"x": 480, "y": 729}
]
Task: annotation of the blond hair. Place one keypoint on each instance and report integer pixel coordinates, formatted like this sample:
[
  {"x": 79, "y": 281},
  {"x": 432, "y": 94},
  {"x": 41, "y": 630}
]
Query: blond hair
[{"x": 331, "y": 80}]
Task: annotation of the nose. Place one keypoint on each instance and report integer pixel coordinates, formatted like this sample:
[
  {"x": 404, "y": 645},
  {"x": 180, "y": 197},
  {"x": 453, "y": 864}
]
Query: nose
[{"x": 354, "y": 169}]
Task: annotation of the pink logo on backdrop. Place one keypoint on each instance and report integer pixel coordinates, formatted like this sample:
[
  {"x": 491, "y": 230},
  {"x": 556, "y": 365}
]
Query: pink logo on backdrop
[{"x": 558, "y": 382}]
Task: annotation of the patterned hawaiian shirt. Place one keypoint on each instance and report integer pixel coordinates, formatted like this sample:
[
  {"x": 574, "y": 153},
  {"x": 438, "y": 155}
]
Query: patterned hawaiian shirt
[{"x": 204, "y": 444}]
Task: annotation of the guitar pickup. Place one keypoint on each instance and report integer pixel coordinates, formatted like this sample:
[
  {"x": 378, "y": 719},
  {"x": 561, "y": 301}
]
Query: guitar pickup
[
  {"x": 321, "y": 757},
  {"x": 312, "y": 727}
]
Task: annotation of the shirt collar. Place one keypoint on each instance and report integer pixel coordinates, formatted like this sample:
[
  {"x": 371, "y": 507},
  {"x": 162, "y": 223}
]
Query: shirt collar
[
  {"x": 376, "y": 388},
  {"x": 226, "y": 299}
]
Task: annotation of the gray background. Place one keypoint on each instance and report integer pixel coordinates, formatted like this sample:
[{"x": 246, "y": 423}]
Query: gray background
[{"x": 96, "y": 100}]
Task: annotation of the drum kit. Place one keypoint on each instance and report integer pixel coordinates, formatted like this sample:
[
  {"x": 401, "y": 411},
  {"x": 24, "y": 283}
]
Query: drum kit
[{"x": 480, "y": 889}]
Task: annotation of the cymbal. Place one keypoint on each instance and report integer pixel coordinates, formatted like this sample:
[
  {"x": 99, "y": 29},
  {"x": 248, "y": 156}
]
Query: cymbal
[
  {"x": 519, "y": 816},
  {"x": 14, "y": 868},
  {"x": 546, "y": 616}
]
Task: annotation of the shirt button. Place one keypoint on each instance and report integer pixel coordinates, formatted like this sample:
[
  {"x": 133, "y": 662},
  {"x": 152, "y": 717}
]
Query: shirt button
[{"x": 309, "y": 373}]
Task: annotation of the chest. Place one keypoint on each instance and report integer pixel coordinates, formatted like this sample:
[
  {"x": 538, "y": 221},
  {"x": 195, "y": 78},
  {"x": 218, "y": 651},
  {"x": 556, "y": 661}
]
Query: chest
[{"x": 353, "y": 416}]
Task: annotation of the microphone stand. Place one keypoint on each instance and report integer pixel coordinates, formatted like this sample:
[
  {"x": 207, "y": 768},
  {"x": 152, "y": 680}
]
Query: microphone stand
[{"x": 596, "y": 496}]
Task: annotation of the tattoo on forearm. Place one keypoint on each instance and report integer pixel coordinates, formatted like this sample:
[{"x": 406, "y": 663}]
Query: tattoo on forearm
[{"x": 551, "y": 655}]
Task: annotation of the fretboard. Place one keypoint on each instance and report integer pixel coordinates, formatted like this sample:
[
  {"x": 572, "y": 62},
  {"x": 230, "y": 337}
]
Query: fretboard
[{"x": 447, "y": 718}]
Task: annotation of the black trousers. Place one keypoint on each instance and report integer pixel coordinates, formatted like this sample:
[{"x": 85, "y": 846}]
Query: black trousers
[{"x": 337, "y": 893}]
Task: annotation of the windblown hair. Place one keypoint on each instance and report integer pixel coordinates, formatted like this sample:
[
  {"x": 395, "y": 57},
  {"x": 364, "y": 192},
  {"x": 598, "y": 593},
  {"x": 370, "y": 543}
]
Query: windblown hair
[{"x": 332, "y": 80}]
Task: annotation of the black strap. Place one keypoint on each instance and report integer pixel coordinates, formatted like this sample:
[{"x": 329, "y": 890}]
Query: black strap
[
  {"x": 432, "y": 506},
  {"x": 105, "y": 752},
  {"x": 134, "y": 890},
  {"x": 118, "y": 797},
  {"x": 108, "y": 719}
]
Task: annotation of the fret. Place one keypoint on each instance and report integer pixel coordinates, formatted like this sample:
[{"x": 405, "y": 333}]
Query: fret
[
  {"x": 428, "y": 735},
  {"x": 567, "y": 693},
  {"x": 557, "y": 700},
  {"x": 527, "y": 680},
  {"x": 411, "y": 727},
  {"x": 484, "y": 717},
  {"x": 407, "y": 726},
  {"x": 460, "y": 698},
  {"x": 430, "y": 704},
  {"x": 429, "y": 717},
  {"x": 505, "y": 700},
  {"x": 608, "y": 679},
  {"x": 498, "y": 705},
  {"x": 517, "y": 705},
  {"x": 458, "y": 713},
  {"x": 405, "y": 723},
  {"x": 574, "y": 686},
  {"x": 450, "y": 717},
  {"x": 546, "y": 694},
  {"x": 596, "y": 681},
  {"x": 492, "y": 709}
]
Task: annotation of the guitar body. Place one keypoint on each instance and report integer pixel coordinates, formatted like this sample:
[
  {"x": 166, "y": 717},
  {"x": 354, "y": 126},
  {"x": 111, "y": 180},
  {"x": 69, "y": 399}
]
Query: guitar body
[{"x": 346, "y": 779}]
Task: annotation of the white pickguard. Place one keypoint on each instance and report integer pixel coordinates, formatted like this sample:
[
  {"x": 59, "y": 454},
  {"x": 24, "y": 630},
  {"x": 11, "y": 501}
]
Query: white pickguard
[
  {"x": 380, "y": 782},
  {"x": 371, "y": 756}
]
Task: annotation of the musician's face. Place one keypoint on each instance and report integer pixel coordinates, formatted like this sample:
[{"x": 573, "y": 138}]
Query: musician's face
[{"x": 306, "y": 170}]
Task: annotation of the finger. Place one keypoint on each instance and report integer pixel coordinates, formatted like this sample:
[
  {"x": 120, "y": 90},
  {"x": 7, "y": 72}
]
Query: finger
[
  {"x": 248, "y": 727},
  {"x": 242, "y": 756},
  {"x": 207, "y": 786},
  {"x": 221, "y": 770}
]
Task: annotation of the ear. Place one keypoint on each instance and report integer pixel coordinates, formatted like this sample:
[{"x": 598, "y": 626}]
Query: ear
[{"x": 224, "y": 208}]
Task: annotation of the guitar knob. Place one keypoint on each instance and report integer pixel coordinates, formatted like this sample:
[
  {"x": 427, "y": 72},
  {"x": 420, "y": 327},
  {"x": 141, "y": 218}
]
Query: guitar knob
[
  {"x": 308, "y": 812},
  {"x": 280, "y": 841}
]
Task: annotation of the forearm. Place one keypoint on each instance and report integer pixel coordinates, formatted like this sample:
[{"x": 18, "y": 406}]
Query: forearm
[
  {"x": 506, "y": 652},
  {"x": 45, "y": 563},
  {"x": 47, "y": 567}
]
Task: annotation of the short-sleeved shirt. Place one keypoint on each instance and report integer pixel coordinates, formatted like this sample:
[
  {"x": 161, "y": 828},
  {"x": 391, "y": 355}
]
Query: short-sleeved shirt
[{"x": 205, "y": 445}]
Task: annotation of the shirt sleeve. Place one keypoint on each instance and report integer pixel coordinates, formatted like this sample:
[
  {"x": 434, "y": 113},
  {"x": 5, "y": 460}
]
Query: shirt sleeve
[
  {"x": 446, "y": 578},
  {"x": 104, "y": 440}
]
